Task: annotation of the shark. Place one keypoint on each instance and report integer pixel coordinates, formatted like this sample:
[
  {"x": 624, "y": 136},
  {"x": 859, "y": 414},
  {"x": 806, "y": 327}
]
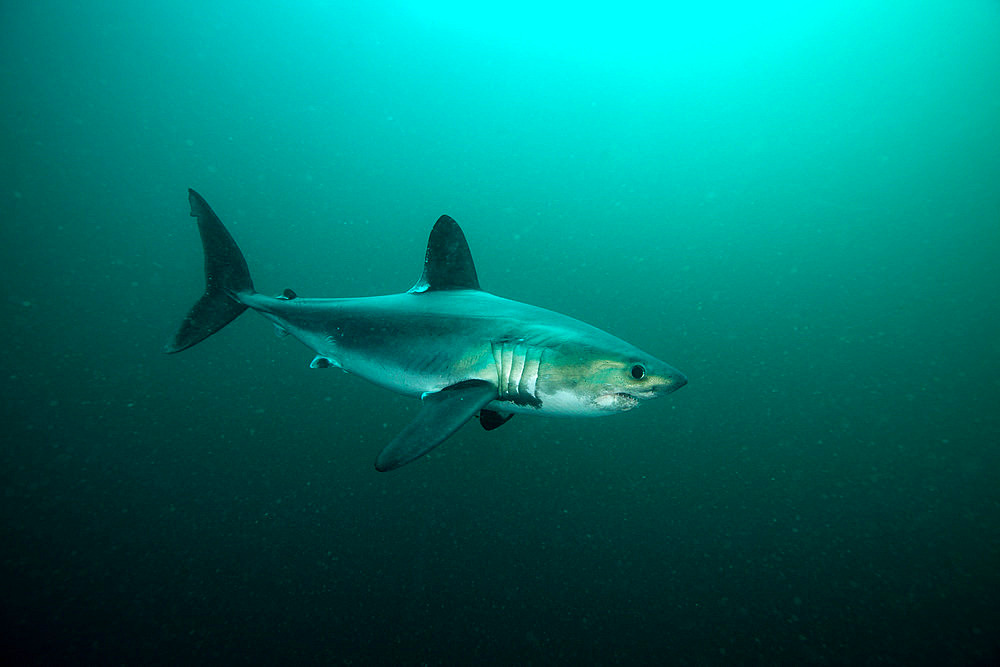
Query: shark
[{"x": 463, "y": 351}]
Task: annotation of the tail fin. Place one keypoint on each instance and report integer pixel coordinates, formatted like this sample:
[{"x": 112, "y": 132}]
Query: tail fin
[{"x": 226, "y": 277}]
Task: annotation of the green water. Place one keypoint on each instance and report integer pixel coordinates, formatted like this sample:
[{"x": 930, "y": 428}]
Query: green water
[{"x": 797, "y": 206}]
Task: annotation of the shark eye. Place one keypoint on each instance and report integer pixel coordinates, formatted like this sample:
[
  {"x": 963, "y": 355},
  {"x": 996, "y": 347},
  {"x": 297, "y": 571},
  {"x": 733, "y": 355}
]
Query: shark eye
[{"x": 638, "y": 372}]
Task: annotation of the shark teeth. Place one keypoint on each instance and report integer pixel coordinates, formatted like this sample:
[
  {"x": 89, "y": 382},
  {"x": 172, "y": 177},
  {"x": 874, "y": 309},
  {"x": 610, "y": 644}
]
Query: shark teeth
[{"x": 616, "y": 402}]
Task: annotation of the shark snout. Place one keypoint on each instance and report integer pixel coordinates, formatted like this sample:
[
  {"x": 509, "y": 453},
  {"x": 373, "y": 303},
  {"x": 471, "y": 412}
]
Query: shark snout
[{"x": 672, "y": 382}]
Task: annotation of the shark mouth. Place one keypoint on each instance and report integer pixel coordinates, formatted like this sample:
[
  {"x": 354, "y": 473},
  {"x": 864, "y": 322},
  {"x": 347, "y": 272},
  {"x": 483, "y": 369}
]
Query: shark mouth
[{"x": 616, "y": 402}]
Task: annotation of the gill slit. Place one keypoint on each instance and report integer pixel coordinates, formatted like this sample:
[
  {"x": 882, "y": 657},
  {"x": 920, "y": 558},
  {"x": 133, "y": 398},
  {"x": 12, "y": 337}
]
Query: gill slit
[{"x": 517, "y": 365}]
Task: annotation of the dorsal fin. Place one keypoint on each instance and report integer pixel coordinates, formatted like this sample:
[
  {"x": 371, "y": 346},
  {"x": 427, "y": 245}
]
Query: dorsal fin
[{"x": 448, "y": 263}]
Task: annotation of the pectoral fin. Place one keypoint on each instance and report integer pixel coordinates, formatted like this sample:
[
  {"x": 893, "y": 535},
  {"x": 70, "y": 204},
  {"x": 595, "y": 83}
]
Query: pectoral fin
[
  {"x": 442, "y": 414},
  {"x": 491, "y": 419}
]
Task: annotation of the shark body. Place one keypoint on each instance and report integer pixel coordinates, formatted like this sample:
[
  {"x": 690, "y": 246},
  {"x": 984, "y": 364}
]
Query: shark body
[{"x": 463, "y": 351}]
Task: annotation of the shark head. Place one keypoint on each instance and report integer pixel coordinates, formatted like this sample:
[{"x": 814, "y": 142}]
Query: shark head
[{"x": 583, "y": 379}]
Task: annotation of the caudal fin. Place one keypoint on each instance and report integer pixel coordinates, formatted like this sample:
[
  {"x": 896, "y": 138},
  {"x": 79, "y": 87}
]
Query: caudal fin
[{"x": 226, "y": 277}]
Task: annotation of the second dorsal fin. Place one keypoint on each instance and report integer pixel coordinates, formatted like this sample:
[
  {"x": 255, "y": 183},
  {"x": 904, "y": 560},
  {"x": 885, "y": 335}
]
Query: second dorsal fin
[{"x": 448, "y": 262}]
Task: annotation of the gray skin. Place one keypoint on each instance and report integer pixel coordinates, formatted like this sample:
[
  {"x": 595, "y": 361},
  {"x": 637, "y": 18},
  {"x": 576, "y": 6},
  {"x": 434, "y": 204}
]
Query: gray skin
[
  {"x": 540, "y": 362},
  {"x": 463, "y": 351}
]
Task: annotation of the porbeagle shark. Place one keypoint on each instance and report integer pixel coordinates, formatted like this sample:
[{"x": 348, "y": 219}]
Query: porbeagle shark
[{"x": 463, "y": 351}]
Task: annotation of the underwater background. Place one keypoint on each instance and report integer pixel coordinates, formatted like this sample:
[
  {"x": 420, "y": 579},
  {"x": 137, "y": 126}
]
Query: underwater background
[{"x": 796, "y": 204}]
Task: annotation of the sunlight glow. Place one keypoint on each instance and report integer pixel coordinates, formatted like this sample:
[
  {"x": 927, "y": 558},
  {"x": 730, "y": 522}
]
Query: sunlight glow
[{"x": 606, "y": 29}]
